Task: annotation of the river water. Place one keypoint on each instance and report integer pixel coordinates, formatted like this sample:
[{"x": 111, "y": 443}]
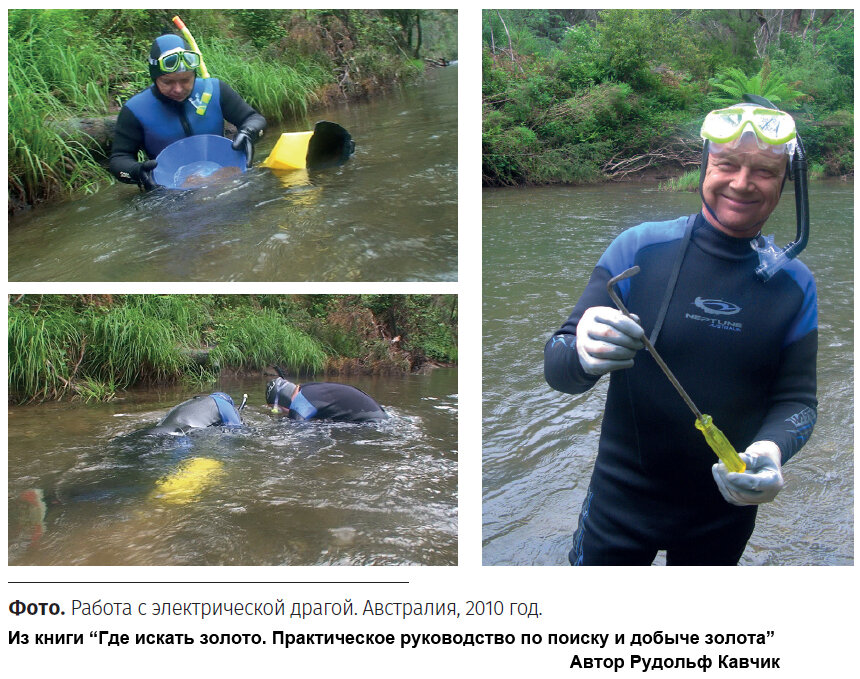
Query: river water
[
  {"x": 539, "y": 445},
  {"x": 388, "y": 214},
  {"x": 275, "y": 492}
]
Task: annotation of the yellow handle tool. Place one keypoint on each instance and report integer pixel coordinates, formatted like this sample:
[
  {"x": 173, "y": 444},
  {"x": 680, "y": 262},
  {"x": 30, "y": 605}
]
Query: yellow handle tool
[
  {"x": 720, "y": 444},
  {"x": 704, "y": 423}
]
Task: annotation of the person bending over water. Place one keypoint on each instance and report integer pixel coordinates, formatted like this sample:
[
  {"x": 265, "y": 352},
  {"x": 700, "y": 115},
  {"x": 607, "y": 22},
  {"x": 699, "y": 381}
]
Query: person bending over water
[{"x": 323, "y": 401}]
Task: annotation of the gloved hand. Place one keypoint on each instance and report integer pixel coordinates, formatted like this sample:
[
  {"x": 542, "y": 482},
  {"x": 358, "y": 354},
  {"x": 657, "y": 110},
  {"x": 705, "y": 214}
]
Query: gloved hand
[
  {"x": 243, "y": 142},
  {"x": 250, "y": 130},
  {"x": 761, "y": 481},
  {"x": 607, "y": 340},
  {"x": 144, "y": 175}
]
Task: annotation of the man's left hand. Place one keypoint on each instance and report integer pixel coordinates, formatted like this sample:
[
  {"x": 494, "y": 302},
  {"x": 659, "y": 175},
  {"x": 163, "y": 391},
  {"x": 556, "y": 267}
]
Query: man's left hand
[{"x": 761, "y": 481}]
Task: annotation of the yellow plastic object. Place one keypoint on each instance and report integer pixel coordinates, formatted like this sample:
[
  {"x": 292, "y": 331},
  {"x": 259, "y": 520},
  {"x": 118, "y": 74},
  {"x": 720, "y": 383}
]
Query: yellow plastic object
[
  {"x": 720, "y": 444},
  {"x": 190, "y": 479},
  {"x": 290, "y": 152}
]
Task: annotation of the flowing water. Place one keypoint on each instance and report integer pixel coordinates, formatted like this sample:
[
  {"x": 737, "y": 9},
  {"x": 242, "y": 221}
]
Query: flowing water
[
  {"x": 275, "y": 492},
  {"x": 540, "y": 246},
  {"x": 389, "y": 213}
]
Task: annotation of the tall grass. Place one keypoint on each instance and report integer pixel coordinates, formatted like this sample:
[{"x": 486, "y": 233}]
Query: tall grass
[
  {"x": 51, "y": 80},
  {"x": 256, "y": 339},
  {"x": 689, "y": 181},
  {"x": 128, "y": 345},
  {"x": 41, "y": 353},
  {"x": 43, "y": 160},
  {"x": 278, "y": 90},
  {"x": 61, "y": 346}
]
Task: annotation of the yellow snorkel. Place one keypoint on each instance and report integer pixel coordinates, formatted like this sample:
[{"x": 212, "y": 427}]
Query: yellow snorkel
[{"x": 204, "y": 73}]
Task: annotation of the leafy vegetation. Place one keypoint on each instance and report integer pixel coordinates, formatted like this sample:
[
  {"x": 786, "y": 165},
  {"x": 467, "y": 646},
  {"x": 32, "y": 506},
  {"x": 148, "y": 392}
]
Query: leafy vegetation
[
  {"x": 90, "y": 346},
  {"x": 67, "y": 64},
  {"x": 580, "y": 96}
]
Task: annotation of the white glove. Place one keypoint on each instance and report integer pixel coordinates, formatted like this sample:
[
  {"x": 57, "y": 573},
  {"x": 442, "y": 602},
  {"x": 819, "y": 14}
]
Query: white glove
[
  {"x": 607, "y": 340},
  {"x": 761, "y": 481}
]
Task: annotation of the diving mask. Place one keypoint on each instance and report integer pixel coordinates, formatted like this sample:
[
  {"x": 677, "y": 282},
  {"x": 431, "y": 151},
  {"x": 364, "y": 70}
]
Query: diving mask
[
  {"x": 728, "y": 124},
  {"x": 177, "y": 60}
]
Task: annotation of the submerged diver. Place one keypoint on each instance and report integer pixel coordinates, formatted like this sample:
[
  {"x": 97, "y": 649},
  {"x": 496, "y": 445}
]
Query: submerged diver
[
  {"x": 177, "y": 105},
  {"x": 179, "y": 485},
  {"x": 322, "y": 401},
  {"x": 740, "y": 332},
  {"x": 216, "y": 409}
]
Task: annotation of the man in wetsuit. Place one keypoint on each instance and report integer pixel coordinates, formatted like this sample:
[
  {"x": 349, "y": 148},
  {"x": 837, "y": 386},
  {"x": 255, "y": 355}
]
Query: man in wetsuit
[
  {"x": 743, "y": 346},
  {"x": 216, "y": 409},
  {"x": 177, "y": 105},
  {"x": 323, "y": 401}
]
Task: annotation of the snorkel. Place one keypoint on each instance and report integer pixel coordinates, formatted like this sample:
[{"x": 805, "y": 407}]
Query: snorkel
[
  {"x": 200, "y": 108},
  {"x": 771, "y": 257}
]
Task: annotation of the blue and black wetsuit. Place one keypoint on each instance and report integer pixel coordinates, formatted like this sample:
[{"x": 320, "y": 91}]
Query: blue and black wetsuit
[
  {"x": 149, "y": 121},
  {"x": 199, "y": 412},
  {"x": 325, "y": 401},
  {"x": 744, "y": 350}
]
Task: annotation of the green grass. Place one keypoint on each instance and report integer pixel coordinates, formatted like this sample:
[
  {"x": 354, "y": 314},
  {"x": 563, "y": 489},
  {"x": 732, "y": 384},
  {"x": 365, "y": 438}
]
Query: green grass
[
  {"x": 262, "y": 338},
  {"x": 689, "y": 181},
  {"x": 91, "y": 346},
  {"x": 39, "y": 353},
  {"x": 278, "y": 90}
]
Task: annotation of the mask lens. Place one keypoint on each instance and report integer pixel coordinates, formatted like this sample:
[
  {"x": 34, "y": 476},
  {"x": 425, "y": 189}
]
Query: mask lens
[
  {"x": 774, "y": 126},
  {"x": 192, "y": 59},
  {"x": 720, "y": 126},
  {"x": 170, "y": 63}
]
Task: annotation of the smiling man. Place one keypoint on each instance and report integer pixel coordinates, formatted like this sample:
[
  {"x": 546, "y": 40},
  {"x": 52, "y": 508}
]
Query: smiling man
[
  {"x": 177, "y": 105},
  {"x": 735, "y": 319}
]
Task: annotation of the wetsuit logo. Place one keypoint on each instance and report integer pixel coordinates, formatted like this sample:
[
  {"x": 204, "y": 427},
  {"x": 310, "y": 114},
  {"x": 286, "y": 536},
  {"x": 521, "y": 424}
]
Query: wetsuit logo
[{"x": 717, "y": 307}]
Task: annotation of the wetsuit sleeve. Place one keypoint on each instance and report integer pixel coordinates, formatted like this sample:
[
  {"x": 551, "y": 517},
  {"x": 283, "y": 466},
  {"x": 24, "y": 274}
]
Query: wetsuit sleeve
[
  {"x": 793, "y": 411},
  {"x": 127, "y": 141},
  {"x": 237, "y": 111},
  {"x": 561, "y": 367}
]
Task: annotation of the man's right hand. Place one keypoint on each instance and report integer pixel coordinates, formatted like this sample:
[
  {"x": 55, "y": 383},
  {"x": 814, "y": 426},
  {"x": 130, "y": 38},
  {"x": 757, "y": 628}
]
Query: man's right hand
[
  {"x": 144, "y": 175},
  {"x": 607, "y": 340}
]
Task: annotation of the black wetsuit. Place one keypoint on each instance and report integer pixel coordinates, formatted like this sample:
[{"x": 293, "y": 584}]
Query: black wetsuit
[
  {"x": 130, "y": 137},
  {"x": 745, "y": 352},
  {"x": 199, "y": 412},
  {"x": 333, "y": 401}
]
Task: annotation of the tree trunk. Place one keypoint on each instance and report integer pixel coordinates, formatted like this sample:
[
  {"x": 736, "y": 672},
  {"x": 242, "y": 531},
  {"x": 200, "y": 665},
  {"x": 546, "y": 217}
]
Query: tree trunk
[
  {"x": 420, "y": 36},
  {"x": 794, "y": 24}
]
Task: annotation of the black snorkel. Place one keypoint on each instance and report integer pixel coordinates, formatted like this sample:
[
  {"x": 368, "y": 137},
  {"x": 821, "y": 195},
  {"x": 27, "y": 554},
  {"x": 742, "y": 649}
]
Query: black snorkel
[{"x": 772, "y": 258}]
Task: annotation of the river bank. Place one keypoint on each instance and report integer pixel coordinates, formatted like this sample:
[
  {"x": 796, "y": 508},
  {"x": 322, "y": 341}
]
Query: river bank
[
  {"x": 583, "y": 96},
  {"x": 91, "y": 346}
]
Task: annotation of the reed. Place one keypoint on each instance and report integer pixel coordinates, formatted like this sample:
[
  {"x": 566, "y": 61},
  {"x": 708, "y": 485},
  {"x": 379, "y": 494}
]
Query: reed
[
  {"x": 128, "y": 345},
  {"x": 43, "y": 160},
  {"x": 256, "y": 339},
  {"x": 91, "y": 346},
  {"x": 41, "y": 347},
  {"x": 689, "y": 181},
  {"x": 276, "y": 89}
]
